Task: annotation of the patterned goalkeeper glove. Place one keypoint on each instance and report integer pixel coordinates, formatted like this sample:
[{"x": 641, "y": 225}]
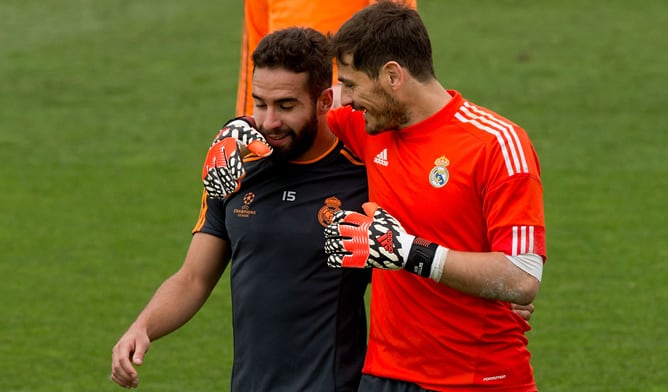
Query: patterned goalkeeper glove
[
  {"x": 223, "y": 168},
  {"x": 377, "y": 240}
]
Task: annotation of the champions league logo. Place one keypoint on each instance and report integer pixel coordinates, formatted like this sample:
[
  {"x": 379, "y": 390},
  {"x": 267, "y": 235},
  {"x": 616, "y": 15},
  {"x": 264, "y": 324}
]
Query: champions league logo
[
  {"x": 245, "y": 210},
  {"x": 439, "y": 175}
]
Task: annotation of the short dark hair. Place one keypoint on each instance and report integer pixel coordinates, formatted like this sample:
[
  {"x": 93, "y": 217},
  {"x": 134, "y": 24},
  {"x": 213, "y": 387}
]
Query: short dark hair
[
  {"x": 298, "y": 50},
  {"x": 382, "y": 32}
]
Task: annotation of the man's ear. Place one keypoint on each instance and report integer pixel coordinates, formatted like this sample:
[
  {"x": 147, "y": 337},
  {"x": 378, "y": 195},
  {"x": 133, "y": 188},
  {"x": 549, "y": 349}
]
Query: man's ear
[
  {"x": 392, "y": 75},
  {"x": 325, "y": 101}
]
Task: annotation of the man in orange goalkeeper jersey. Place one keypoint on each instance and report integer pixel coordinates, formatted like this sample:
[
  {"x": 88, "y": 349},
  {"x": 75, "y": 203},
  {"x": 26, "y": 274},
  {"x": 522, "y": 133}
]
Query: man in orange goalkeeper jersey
[
  {"x": 262, "y": 17},
  {"x": 458, "y": 230}
]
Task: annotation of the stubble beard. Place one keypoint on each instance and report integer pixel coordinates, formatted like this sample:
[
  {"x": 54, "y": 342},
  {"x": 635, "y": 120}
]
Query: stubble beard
[{"x": 390, "y": 116}]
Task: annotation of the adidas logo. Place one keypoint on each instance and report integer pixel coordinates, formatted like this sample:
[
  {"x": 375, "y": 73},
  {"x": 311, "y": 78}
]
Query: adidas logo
[
  {"x": 381, "y": 158},
  {"x": 385, "y": 241}
]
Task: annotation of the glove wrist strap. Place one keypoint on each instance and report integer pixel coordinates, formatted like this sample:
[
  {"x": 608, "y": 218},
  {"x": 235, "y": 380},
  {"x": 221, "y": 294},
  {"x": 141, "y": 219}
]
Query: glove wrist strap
[{"x": 421, "y": 257}]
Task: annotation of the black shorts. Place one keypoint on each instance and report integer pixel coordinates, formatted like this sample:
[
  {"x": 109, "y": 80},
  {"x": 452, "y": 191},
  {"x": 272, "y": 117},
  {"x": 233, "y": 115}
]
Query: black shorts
[{"x": 375, "y": 384}]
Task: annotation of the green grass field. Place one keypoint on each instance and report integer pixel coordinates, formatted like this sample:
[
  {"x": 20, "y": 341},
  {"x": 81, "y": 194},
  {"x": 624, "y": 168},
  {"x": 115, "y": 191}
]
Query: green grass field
[{"x": 107, "y": 108}]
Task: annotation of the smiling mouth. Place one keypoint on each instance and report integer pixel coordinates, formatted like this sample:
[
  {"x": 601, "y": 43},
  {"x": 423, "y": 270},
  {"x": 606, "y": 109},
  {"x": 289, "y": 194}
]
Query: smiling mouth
[
  {"x": 360, "y": 109},
  {"x": 276, "y": 139}
]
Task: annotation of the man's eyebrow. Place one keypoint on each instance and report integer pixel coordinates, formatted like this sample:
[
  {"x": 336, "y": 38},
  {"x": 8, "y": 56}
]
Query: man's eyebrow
[
  {"x": 279, "y": 101},
  {"x": 344, "y": 80},
  {"x": 287, "y": 100}
]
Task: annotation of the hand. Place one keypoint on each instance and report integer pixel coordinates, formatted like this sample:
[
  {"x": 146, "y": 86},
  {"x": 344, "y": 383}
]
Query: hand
[
  {"x": 524, "y": 311},
  {"x": 129, "y": 351},
  {"x": 364, "y": 241},
  {"x": 223, "y": 168}
]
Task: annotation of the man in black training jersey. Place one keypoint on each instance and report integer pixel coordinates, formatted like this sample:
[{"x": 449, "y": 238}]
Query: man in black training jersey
[{"x": 298, "y": 324}]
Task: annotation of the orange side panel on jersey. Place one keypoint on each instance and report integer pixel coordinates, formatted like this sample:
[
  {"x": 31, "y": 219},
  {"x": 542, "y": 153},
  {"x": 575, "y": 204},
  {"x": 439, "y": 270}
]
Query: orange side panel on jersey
[{"x": 202, "y": 214}]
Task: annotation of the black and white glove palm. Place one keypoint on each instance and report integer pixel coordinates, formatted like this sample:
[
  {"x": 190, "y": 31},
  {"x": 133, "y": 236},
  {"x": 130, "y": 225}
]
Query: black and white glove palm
[
  {"x": 223, "y": 168},
  {"x": 377, "y": 240}
]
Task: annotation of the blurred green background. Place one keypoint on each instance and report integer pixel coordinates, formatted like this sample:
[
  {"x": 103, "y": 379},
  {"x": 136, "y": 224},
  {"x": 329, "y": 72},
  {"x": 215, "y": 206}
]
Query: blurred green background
[{"x": 107, "y": 108}]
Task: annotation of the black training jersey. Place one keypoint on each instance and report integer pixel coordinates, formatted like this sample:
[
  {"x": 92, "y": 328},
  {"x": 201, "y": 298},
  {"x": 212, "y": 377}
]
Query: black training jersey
[{"x": 298, "y": 324}]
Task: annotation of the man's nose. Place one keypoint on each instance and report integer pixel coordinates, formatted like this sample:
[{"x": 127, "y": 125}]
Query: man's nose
[{"x": 271, "y": 120}]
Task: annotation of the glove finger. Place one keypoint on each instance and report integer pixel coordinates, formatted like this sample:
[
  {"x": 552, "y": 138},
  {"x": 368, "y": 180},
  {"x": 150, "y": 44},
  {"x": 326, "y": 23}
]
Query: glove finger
[
  {"x": 260, "y": 148},
  {"x": 242, "y": 129},
  {"x": 250, "y": 138},
  {"x": 227, "y": 159},
  {"x": 347, "y": 224},
  {"x": 210, "y": 177},
  {"x": 334, "y": 261},
  {"x": 209, "y": 161},
  {"x": 351, "y": 252},
  {"x": 338, "y": 216},
  {"x": 331, "y": 231},
  {"x": 356, "y": 260},
  {"x": 231, "y": 130},
  {"x": 350, "y": 217},
  {"x": 212, "y": 188},
  {"x": 234, "y": 165},
  {"x": 354, "y": 224},
  {"x": 229, "y": 184},
  {"x": 214, "y": 184},
  {"x": 370, "y": 208},
  {"x": 219, "y": 154},
  {"x": 223, "y": 168},
  {"x": 334, "y": 247},
  {"x": 339, "y": 257}
]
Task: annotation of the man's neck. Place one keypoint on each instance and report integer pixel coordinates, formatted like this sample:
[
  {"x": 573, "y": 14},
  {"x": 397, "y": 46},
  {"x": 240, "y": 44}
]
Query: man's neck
[
  {"x": 322, "y": 143},
  {"x": 425, "y": 99}
]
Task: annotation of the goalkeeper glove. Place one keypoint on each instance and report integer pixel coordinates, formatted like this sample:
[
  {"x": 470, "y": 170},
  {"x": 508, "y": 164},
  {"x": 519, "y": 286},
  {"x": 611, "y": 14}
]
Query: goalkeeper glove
[
  {"x": 223, "y": 168},
  {"x": 377, "y": 240}
]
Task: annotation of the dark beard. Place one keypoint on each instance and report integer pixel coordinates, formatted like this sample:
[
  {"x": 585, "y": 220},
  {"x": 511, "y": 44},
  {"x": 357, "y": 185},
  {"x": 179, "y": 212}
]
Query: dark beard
[{"x": 301, "y": 142}]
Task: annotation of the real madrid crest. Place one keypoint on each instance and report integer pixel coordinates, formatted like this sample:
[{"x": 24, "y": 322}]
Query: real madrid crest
[
  {"x": 439, "y": 175},
  {"x": 326, "y": 212}
]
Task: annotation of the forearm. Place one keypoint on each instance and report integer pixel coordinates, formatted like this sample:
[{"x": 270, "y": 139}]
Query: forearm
[
  {"x": 377, "y": 240},
  {"x": 173, "y": 304},
  {"x": 489, "y": 275}
]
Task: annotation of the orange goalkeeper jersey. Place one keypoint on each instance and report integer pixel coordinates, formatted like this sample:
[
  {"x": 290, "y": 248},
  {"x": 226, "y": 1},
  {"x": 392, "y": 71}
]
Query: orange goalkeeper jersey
[
  {"x": 468, "y": 179},
  {"x": 261, "y": 17}
]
